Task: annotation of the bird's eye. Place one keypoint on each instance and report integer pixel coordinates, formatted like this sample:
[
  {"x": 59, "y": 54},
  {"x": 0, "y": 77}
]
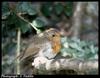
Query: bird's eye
[{"x": 53, "y": 35}]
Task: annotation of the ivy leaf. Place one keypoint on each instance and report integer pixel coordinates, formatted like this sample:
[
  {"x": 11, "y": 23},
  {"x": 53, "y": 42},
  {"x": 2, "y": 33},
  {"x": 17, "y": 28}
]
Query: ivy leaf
[
  {"x": 66, "y": 45},
  {"x": 12, "y": 18},
  {"x": 24, "y": 26},
  {"x": 65, "y": 53},
  {"x": 92, "y": 49},
  {"x": 68, "y": 9},
  {"x": 96, "y": 56},
  {"x": 71, "y": 50},
  {"x": 47, "y": 9},
  {"x": 44, "y": 20},
  {"x": 32, "y": 11},
  {"x": 82, "y": 44},
  {"x": 58, "y": 8},
  {"x": 84, "y": 50},
  {"x": 63, "y": 39},
  {"x": 96, "y": 49},
  {"x": 5, "y": 10},
  {"x": 38, "y": 23},
  {"x": 76, "y": 40},
  {"x": 75, "y": 46},
  {"x": 80, "y": 54},
  {"x": 26, "y": 7}
]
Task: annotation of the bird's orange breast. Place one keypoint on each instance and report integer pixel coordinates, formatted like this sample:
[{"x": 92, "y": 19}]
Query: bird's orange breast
[
  {"x": 56, "y": 48},
  {"x": 56, "y": 44}
]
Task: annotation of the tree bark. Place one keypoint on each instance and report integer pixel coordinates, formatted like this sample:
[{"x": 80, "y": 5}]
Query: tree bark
[
  {"x": 77, "y": 18},
  {"x": 79, "y": 66}
]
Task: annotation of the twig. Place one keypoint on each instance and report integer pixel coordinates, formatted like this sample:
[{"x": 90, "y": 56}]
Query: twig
[
  {"x": 18, "y": 51},
  {"x": 19, "y": 15}
]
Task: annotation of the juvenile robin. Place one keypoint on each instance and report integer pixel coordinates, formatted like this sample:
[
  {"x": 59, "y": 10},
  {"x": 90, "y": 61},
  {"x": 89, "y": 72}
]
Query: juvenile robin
[{"x": 45, "y": 44}]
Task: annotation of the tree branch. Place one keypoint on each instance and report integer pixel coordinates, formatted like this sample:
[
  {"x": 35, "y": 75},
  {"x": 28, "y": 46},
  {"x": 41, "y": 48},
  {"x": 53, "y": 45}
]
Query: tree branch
[
  {"x": 77, "y": 18},
  {"x": 66, "y": 64}
]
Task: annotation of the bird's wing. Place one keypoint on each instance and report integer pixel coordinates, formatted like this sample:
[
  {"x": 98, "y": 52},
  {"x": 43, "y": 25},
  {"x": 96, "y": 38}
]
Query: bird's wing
[
  {"x": 34, "y": 46},
  {"x": 30, "y": 52}
]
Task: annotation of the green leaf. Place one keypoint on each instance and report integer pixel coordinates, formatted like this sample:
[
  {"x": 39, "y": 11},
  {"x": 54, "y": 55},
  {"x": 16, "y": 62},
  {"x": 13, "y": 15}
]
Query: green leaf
[
  {"x": 47, "y": 9},
  {"x": 32, "y": 11},
  {"x": 92, "y": 48},
  {"x": 58, "y": 8},
  {"x": 12, "y": 18},
  {"x": 66, "y": 45},
  {"x": 96, "y": 49},
  {"x": 89, "y": 56},
  {"x": 5, "y": 9},
  {"x": 26, "y": 7},
  {"x": 24, "y": 26},
  {"x": 69, "y": 50},
  {"x": 80, "y": 54},
  {"x": 64, "y": 52},
  {"x": 38, "y": 23},
  {"x": 87, "y": 50},
  {"x": 96, "y": 56},
  {"x": 68, "y": 9},
  {"x": 76, "y": 40},
  {"x": 20, "y": 7},
  {"x": 44, "y": 20},
  {"x": 76, "y": 46},
  {"x": 84, "y": 50},
  {"x": 63, "y": 39},
  {"x": 82, "y": 44}
]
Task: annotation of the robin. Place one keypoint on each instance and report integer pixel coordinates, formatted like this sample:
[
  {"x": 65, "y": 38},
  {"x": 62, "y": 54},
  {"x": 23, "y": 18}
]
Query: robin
[{"x": 46, "y": 44}]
